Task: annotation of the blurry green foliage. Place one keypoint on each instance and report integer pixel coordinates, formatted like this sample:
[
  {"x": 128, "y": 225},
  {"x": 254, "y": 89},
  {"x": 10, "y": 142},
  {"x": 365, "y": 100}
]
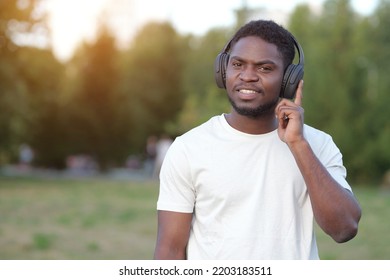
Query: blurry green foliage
[
  {"x": 106, "y": 101},
  {"x": 15, "y": 19},
  {"x": 345, "y": 82}
]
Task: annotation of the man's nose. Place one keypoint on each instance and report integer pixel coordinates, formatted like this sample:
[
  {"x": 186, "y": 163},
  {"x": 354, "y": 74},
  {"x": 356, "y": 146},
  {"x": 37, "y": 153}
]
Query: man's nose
[{"x": 248, "y": 74}]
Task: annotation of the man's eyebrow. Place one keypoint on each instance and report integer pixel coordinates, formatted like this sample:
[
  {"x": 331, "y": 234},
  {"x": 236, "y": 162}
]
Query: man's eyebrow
[{"x": 260, "y": 62}]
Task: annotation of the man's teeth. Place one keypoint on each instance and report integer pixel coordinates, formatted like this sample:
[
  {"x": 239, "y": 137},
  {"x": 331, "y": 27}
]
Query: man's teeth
[{"x": 247, "y": 91}]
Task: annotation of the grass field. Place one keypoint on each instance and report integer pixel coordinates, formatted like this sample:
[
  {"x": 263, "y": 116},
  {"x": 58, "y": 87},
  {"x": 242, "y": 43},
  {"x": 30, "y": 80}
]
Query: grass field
[{"x": 95, "y": 219}]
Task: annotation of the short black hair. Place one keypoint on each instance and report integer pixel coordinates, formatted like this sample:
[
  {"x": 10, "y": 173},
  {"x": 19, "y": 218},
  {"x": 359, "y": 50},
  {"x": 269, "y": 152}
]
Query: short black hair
[{"x": 272, "y": 33}]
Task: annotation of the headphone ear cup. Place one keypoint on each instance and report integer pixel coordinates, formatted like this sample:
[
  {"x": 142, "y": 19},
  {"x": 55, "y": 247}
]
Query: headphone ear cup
[
  {"x": 220, "y": 65},
  {"x": 292, "y": 76}
]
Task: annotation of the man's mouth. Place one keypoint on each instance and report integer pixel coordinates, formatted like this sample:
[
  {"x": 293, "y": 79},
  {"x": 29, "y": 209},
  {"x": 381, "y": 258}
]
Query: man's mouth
[
  {"x": 247, "y": 94},
  {"x": 247, "y": 91}
]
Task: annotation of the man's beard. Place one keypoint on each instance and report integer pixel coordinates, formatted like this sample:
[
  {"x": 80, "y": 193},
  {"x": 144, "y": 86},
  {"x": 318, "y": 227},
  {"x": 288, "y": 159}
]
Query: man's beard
[{"x": 261, "y": 110}]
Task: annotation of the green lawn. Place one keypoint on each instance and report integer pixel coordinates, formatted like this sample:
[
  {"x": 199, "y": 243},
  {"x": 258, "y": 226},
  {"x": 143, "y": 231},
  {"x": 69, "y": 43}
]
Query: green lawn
[
  {"x": 108, "y": 219},
  {"x": 372, "y": 241},
  {"x": 77, "y": 219}
]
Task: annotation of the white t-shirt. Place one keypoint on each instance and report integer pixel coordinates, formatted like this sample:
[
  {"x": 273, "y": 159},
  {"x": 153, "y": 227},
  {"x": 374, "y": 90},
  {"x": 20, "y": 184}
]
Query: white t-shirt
[{"x": 246, "y": 193}]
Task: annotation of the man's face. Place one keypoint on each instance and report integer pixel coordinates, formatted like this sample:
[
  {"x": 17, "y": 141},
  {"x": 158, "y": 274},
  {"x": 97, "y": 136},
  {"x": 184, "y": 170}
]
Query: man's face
[{"x": 254, "y": 76}]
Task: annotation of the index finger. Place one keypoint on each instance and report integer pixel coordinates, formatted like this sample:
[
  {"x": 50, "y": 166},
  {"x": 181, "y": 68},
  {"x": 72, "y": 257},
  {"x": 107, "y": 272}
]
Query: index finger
[{"x": 299, "y": 94}]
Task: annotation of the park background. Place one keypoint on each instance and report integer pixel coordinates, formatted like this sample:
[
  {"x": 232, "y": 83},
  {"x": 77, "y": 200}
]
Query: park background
[{"x": 102, "y": 104}]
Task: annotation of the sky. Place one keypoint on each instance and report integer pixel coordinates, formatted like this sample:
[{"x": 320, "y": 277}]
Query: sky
[{"x": 72, "y": 21}]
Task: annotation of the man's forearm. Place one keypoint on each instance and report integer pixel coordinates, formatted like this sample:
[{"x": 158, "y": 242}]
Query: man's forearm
[{"x": 335, "y": 209}]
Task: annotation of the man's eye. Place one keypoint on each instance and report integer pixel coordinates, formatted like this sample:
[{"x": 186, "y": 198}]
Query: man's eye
[
  {"x": 237, "y": 64},
  {"x": 265, "y": 68}
]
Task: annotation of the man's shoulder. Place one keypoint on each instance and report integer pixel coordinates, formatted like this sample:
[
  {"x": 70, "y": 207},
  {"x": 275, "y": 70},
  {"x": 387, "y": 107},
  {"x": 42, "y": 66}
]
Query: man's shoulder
[
  {"x": 312, "y": 132},
  {"x": 203, "y": 129},
  {"x": 318, "y": 139}
]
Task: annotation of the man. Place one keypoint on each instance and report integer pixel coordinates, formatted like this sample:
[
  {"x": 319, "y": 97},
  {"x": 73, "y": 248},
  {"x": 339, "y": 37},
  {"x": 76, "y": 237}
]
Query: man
[{"x": 248, "y": 184}]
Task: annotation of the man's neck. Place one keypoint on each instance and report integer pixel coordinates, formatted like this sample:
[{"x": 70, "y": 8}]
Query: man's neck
[{"x": 252, "y": 125}]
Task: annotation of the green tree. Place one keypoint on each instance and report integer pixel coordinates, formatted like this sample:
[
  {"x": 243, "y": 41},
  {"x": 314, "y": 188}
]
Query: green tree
[
  {"x": 16, "y": 20},
  {"x": 374, "y": 155},
  {"x": 97, "y": 128},
  {"x": 345, "y": 81},
  {"x": 40, "y": 74},
  {"x": 153, "y": 82},
  {"x": 203, "y": 98}
]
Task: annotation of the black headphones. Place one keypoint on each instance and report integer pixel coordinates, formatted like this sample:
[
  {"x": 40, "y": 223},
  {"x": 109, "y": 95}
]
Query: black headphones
[{"x": 291, "y": 77}]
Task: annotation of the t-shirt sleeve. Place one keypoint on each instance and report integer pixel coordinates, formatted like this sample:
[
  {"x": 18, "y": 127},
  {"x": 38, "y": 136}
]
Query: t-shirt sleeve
[
  {"x": 176, "y": 189},
  {"x": 332, "y": 159}
]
